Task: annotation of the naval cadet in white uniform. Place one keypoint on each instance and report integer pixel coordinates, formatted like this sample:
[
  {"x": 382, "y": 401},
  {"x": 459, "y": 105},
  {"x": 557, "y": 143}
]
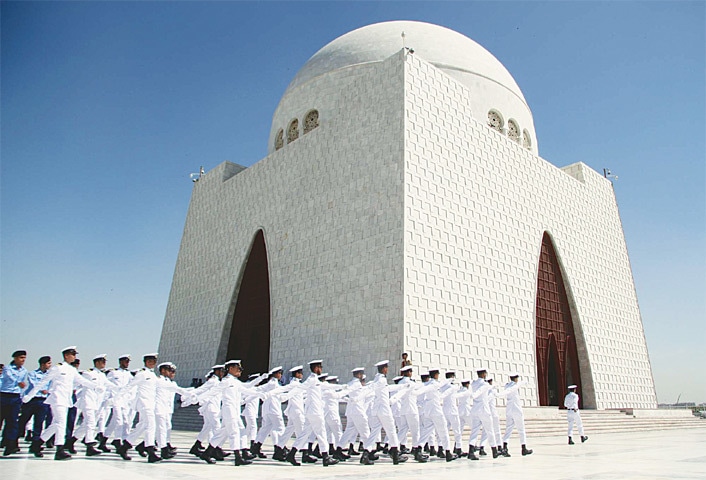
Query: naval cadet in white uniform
[
  {"x": 514, "y": 417},
  {"x": 571, "y": 402}
]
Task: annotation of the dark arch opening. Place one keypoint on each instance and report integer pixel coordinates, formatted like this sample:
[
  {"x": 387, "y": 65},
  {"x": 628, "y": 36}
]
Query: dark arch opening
[
  {"x": 556, "y": 343},
  {"x": 249, "y": 338}
]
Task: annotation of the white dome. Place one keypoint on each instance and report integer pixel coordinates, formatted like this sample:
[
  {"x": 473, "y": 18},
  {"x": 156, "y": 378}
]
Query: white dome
[
  {"x": 495, "y": 97},
  {"x": 444, "y": 48}
]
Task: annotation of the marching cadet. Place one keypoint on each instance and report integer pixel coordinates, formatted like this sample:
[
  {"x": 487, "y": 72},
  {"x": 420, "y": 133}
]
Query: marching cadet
[
  {"x": 121, "y": 420},
  {"x": 164, "y": 407},
  {"x": 382, "y": 412},
  {"x": 314, "y": 413},
  {"x": 332, "y": 416},
  {"x": 465, "y": 404},
  {"x": 435, "y": 415},
  {"x": 251, "y": 406},
  {"x": 513, "y": 412},
  {"x": 13, "y": 382},
  {"x": 37, "y": 408},
  {"x": 571, "y": 402},
  {"x": 492, "y": 403},
  {"x": 272, "y": 420},
  {"x": 294, "y": 412},
  {"x": 230, "y": 390},
  {"x": 145, "y": 381},
  {"x": 409, "y": 408},
  {"x": 209, "y": 409},
  {"x": 356, "y": 416},
  {"x": 481, "y": 413},
  {"x": 450, "y": 408},
  {"x": 63, "y": 376},
  {"x": 89, "y": 401}
]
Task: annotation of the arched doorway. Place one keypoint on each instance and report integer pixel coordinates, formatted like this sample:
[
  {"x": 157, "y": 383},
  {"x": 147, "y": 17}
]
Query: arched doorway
[
  {"x": 249, "y": 338},
  {"x": 557, "y": 359}
]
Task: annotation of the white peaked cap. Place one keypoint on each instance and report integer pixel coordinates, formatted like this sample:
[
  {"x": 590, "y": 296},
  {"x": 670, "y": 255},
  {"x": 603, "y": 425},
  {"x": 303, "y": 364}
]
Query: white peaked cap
[
  {"x": 358, "y": 369},
  {"x": 102, "y": 356},
  {"x": 275, "y": 370},
  {"x": 315, "y": 361},
  {"x": 408, "y": 367},
  {"x": 514, "y": 374},
  {"x": 218, "y": 366},
  {"x": 296, "y": 369},
  {"x": 571, "y": 387},
  {"x": 331, "y": 377},
  {"x": 124, "y": 355},
  {"x": 382, "y": 363}
]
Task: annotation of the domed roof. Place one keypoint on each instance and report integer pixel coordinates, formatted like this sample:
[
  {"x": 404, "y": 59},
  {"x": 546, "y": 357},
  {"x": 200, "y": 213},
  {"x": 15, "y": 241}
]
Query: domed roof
[{"x": 444, "y": 48}]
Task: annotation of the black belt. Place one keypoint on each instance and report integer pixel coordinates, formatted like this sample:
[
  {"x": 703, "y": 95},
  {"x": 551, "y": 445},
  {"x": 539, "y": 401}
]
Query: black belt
[{"x": 7, "y": 394}]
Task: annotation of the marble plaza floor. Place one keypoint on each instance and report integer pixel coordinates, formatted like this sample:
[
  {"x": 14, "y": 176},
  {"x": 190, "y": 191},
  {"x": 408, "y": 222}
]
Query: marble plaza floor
[{"x": 668, "y": 454}]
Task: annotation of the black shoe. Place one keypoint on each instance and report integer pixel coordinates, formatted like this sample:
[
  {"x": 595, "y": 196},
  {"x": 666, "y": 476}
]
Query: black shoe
[
  {"x": 50, "y": 443},
  {"x": 404, "y": 450},
  {"x": 292, "y": 457},
  {"x": 472, "y": 453},
  {"x": 365, "y": 458},
  {"x": 440, "y": 453},
  {"x": 247, "y": 455},
  {"x": 341, "y": 455},
  {"x": 571, "y": 442},
  {"x": 69, "y": 445},
  {"x": 28, "y": 437},
  {"x": 166, "y": 453},
  {"x": 141, "y": 449},
  {"x": 307, "y": 458},
  {"x": 316, "y": 452},
  {"x": 419, "y": 456},
  {"x": 396, "y": 457},
  {"x": 279, "y": 454},
  {"x": 117, "y": 444},
  {"x": 123, "y": 449},
  {"x": 526, "y": 451},
  {"x": 91, "y": 450},
  {"x": 329, "y": 460},
  {"x": 217, "y": 454},
  {"x": 207, "y": 455},
  {"x": 351, "y": 450},
  {"x": 36, "y": 448},
  {"x": 197, "y": 449},
  {"x": 171, "y": 449},
  {"x": 256, "y": 450},
  {"x": 386, "y": 449},
  {"x": 152, "y": 456},
  {"x": 583, "y": 439},
  {"x": 504, "y": 452},
  {"x": 374, "y": 456},
  {"x": 450, "y": 456},
  {"x": 61, "y": 453},
  {"x": 239, "y": 460},
  {"x": 481, "y": 452},
  {"x": 102, "y": 445},
  {"x": 496, "y": 454},
  {"x": 432, "y": 451}
]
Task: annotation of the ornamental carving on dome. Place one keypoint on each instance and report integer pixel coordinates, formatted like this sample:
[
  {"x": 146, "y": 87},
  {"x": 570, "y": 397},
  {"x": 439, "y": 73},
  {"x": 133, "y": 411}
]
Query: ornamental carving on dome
[
  {"x": 526, "y": 140},
  {"x": 311, "y": 121},
  {"x": 279, "y": 139},
  {"x": 513, "y": 131},
  {"x": 293, "y": 131},
  {"x": 495, "y": 121}
]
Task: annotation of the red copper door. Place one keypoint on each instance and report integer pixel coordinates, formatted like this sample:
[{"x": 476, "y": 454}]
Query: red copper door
[
  {"x": 557, "y": 360},
  {"x": 250, "y": 331}
]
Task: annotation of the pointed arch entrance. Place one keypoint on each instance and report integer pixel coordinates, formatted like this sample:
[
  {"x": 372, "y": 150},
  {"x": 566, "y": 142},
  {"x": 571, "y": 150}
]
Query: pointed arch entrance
[
  {"x": 249, "y": 338},
  {"x": 557, "y": 358}
]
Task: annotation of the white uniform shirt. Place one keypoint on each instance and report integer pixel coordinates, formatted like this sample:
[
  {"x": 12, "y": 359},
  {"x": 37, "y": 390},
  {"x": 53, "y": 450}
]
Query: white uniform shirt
[
  {"x": 164, "y": 396},
  {"x": 571, "y": 401},
  {"x": 480, "y": 396},
  {"x": 92, "y": 398},
  {"x": 513, "y": 403},
  {"x": 295, "y": 404},
  {"x": 146, "y": 382},
  {"x": 63, "y": 378}
]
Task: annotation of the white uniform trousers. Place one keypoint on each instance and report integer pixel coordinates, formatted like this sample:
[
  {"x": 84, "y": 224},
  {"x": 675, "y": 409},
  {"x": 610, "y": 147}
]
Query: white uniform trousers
[
  {"x": 496, "y": 430},
  {"x": 89, "y": 427},
  {"x": 574, "y": 417},
  {"x": 162, "y": 422},
  {"x": 515, "y": 420},
  {"x": 119, "y": 424},
  {"x": 334, "y": 429},
  {"x": 454, "y": 423},
  {"x": 250, "y": 432},
  {"x": 145, "y": 428},
  {"x": 412, "y": 422},
  {"x": 315, "y": 427},
  {"x": 356, "y": 425},
  {"x": 402, "y": 429},
  {"x": 211, "y": 424},
  {"x": 436, "y": 423},
  {"x": 486, "y": 422},
  {"x": 58, "y": 425},
  {"x": 377, "y": 423},
  {"x": 230, "y": 429},
  {"x": 271, "y": 425},
  {"x": 295, "y": 426}
]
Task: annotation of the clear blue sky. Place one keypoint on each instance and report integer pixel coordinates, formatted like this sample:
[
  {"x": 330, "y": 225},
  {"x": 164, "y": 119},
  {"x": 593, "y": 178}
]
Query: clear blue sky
[{"x": 107, "y": 108}]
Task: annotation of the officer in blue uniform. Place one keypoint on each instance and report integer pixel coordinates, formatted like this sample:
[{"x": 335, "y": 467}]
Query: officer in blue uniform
[
  {"x": 36, "y": 408},
  {"x": 12, "y": 383}
]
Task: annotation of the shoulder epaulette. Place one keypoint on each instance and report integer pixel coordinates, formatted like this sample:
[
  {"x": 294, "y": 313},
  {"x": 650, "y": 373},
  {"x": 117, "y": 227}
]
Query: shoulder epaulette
[{"x": 60, "y": 363}]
